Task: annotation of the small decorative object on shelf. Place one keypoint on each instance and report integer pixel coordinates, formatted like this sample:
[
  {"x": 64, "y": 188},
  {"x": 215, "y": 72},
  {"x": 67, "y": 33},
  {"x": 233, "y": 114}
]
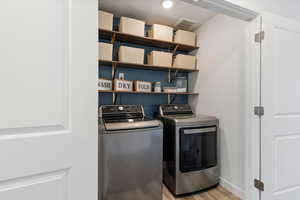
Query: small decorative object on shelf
[
  {"x": 104, "y": 84},
  {"x": 121, "y": 76},
  {"x": 170, "y": 89},
  {"x": 181, "y": 84},
  {"x": 132, "y": 26},
  {"x": 123, "y": 85},
  {"x": 142, "y": 86},
  {"x": 105, "y": 20},
  {"x": 157, "y": 87}
]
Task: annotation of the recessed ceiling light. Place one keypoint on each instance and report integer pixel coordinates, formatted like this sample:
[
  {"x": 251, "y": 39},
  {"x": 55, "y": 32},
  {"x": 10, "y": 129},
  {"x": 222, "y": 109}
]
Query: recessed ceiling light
[
  {"x": 195, "y": 0},
  {"x": 167, "y": 4}
]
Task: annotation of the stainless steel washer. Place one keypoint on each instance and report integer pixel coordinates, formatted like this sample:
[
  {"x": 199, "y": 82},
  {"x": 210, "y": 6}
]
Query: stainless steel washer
[
  {"x": 190, "y": 161},
  {"x": 130, "y": 154}
]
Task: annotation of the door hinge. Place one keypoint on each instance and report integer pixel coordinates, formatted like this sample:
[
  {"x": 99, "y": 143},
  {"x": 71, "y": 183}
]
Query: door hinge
[
  {"x": 258, "y": 184},
  {"x": 259, "y": 110},
  {"x": 259, "y": 37}
]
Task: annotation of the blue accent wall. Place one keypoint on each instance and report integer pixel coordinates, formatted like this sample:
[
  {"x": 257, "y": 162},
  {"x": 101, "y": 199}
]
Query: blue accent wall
[{"x": 149, "y": 101}]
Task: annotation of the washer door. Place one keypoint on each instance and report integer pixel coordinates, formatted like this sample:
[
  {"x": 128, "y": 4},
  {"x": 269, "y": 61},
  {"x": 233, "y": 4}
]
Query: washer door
[{"x": 198, "y": 148}]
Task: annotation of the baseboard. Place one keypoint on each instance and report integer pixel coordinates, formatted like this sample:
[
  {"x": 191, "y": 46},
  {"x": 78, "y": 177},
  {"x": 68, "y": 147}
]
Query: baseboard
[{"x": 237, "y": 191}]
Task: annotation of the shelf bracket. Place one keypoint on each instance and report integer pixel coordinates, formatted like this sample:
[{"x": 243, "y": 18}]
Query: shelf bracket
[
  {"x": 113, "y": 75},
  {"x": 173, "y": 99},
  {"x": 175, "y": 49},
  {"x": 114, "y": 98},
  {"x": 171, "y": 76},
  {"x": 113, "y": 71},
  {"x": 175, "y": 74},
  {"x": 113, "y": 39},
  {"x": 169, "y": 98}
]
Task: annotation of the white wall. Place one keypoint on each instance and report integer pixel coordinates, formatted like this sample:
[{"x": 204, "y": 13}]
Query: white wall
[
  {"x": 221, "y": 86},
  {"x": 286, "y": 8}
]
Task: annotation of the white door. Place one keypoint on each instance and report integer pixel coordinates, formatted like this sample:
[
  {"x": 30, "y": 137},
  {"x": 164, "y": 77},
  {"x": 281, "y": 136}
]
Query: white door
[
  {"x": 48, "y": 103},
  {"x": 281, "y": 100}
]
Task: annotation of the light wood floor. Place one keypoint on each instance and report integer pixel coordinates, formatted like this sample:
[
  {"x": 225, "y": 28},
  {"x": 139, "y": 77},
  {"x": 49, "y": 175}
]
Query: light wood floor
[{"x": 218, "y": 193}]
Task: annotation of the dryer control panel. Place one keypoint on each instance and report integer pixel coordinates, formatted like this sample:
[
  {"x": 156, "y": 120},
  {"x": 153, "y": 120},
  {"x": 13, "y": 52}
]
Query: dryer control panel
[{"x": 175, "y": 109}]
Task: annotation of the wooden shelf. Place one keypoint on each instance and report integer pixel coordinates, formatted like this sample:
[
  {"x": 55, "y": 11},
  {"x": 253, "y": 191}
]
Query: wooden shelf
[
  {"x": 124, "y": 37},
  {"x": 134, "y": 92},
  {"x": 145, "y": 66}
]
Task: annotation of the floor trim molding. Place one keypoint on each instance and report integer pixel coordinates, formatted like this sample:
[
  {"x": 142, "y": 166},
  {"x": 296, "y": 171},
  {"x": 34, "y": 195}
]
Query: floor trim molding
[{"x": 233, "y": 188}]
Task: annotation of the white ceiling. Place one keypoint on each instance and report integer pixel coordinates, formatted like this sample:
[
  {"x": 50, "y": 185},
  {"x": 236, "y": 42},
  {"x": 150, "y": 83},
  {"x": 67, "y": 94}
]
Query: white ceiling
[{"x": 152, "y": 12}]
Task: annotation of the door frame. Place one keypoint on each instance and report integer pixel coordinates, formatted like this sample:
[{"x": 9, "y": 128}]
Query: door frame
[{"x": 253, "y": 98}]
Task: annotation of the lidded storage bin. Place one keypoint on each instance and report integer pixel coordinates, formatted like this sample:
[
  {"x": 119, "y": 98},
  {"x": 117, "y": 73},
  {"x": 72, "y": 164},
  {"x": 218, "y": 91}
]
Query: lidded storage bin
[
  {"x": 185, "y": 61},
  {"x": 161, "y": 32},
  {"x": 142, "y": 86},
  {"x": 185, "y": 37},
  {"x": 123, "y": 85},
  {"x": 105, "y": 20},
  {"x": 104, "y": 84},
  {"x": 131, "y": 55},
  {"x": 132, "y": 26},
  {"x": 105, "y": 51},
  {"x": 160, "y": 58}
]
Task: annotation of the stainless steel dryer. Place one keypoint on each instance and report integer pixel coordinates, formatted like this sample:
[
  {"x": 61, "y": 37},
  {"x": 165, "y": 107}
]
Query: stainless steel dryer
[
  {"x": 130, "y": 154},
  {"x": 190, "y": 161}
]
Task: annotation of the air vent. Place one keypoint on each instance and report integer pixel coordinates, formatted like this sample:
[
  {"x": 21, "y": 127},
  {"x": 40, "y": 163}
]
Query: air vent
[{"x": 185, "y": 24}]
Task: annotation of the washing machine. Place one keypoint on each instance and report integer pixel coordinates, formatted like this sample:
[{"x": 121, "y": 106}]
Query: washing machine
[
  {"x": 190, "y": 156},
  {"x": 130, "y": 154}
]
